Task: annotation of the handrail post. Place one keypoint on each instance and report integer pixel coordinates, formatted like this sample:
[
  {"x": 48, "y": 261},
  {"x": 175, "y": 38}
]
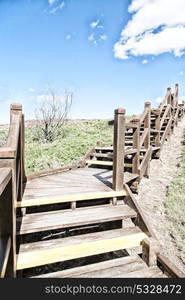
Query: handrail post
[
  {"x": 16, "y": 108},
  {"x": 136, "y": 145},
  {"x": 147, "y": 125},
  {"x": 171, "y": 111},
  {"x": 169, "y": 100},
  {"x": 119, "y": 145},
  {"x": 177, "y": 94},
  {"x": 158, "y": 136}
]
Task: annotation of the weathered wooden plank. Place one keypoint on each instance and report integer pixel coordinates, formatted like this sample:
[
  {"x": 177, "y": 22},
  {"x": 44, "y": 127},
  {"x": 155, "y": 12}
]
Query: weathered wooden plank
[
  {"x": 52, "y": 251},
  {"x": 102, "y": 155},
  {"x": 145, "y": 273},
  {"x": 99, "y": 162},
  {"x": 123, "y": 264},
  {"x": 169, "y": 267},
  {"x": 70, "y": 198},
  {"x": 5, "y": 176},
  {"x": 81, "y": 216},
  {"x": 106, "y": 148}
]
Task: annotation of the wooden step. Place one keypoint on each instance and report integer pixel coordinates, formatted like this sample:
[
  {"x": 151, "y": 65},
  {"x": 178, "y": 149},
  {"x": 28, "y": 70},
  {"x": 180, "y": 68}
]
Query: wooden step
[
  {"x": 52, "y": 251},
  {"x": 102, "y": 155},
  {"x": 104, "y": 163},
  {"x": 104, "y": 148},
  {"x": 71, "y": 218},
  {"x": 70, "y": 198},
  {"x": 105, "y": 269},
  {"x": 99, "y": 162}
]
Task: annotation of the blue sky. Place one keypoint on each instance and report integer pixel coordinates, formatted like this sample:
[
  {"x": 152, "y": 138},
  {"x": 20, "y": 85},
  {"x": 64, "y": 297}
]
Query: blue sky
[{"x": 77, "y": 45}]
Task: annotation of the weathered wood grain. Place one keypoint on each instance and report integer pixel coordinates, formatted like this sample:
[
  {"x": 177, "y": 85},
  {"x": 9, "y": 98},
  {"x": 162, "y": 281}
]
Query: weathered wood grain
[{"x": 81, "y": 216}]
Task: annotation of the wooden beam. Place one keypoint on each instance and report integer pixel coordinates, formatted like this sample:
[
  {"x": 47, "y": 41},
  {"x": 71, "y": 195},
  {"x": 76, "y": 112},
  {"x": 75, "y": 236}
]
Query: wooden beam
[{"x": 150, "y": 250}]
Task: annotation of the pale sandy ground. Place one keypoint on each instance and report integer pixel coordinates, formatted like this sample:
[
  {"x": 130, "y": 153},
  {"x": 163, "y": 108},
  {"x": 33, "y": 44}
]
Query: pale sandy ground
[{"x": 152, "y": 194}]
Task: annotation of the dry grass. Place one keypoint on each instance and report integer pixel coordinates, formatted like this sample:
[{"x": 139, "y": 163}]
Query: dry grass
[{"x": 175, "y": 205}]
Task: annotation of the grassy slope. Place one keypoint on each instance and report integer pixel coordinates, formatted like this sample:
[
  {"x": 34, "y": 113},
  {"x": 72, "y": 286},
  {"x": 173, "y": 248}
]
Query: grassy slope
[
  {"x": 78, "y": 138},
  {"x": 176, "y": 206}
]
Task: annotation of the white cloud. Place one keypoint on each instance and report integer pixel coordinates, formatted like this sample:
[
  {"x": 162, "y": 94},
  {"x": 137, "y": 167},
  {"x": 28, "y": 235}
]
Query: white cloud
[
  {"x": 156, "y": 27},
  {"x": 144, "y": 61},
  {"x": 181, "y": 73},
  {"x": 103, "y": 37},
  {"x": 68, "y": 37},
  {"x": 95, "y": 24}
]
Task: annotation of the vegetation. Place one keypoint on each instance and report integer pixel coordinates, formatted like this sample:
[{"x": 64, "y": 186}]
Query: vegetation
[
  {"x": 76, "y": 139},
  {"x": 176, "y": 206},
  {"x": 3, "y": 136}
]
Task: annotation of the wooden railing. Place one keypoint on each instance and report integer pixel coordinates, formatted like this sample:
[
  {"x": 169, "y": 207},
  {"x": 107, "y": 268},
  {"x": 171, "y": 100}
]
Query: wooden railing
[
  {"x": 145, "y": 135},
  {"x": 7, "y": 225},
  {"x": 11, "y": 188}
]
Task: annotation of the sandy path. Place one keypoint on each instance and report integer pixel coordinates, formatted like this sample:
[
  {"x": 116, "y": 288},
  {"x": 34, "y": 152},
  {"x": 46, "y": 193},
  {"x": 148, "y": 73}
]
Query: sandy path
[{"x": 152, "y": 193}]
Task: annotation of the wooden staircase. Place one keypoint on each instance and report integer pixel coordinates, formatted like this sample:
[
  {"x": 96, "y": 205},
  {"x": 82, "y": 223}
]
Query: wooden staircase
[
  {"x": 83, "y": 220},
  {"x": 111, "y": 228}
]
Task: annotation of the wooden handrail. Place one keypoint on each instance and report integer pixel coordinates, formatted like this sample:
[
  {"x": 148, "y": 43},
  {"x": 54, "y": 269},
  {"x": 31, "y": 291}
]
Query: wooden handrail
[
  {"x": 145, "y": 162},
  {"x": 143, "y": 136},
  {"x": 143, "y": 116},
  {"x": 7, "y": 225},
  {"x": 11, "y": 188},
  {"x": 165, "y": 133},
  {"x": 165, "y": 115}
]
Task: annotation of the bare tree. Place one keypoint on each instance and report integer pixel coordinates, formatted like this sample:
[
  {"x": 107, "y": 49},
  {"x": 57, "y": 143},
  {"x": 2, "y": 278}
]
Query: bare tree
[{"x": 51, "y": 115}]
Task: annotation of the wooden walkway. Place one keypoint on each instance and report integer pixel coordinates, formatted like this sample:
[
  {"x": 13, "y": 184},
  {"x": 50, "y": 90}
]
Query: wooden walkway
[
  {"x": 81, "y": 181},
  {"x": 82, "y": 220}
]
